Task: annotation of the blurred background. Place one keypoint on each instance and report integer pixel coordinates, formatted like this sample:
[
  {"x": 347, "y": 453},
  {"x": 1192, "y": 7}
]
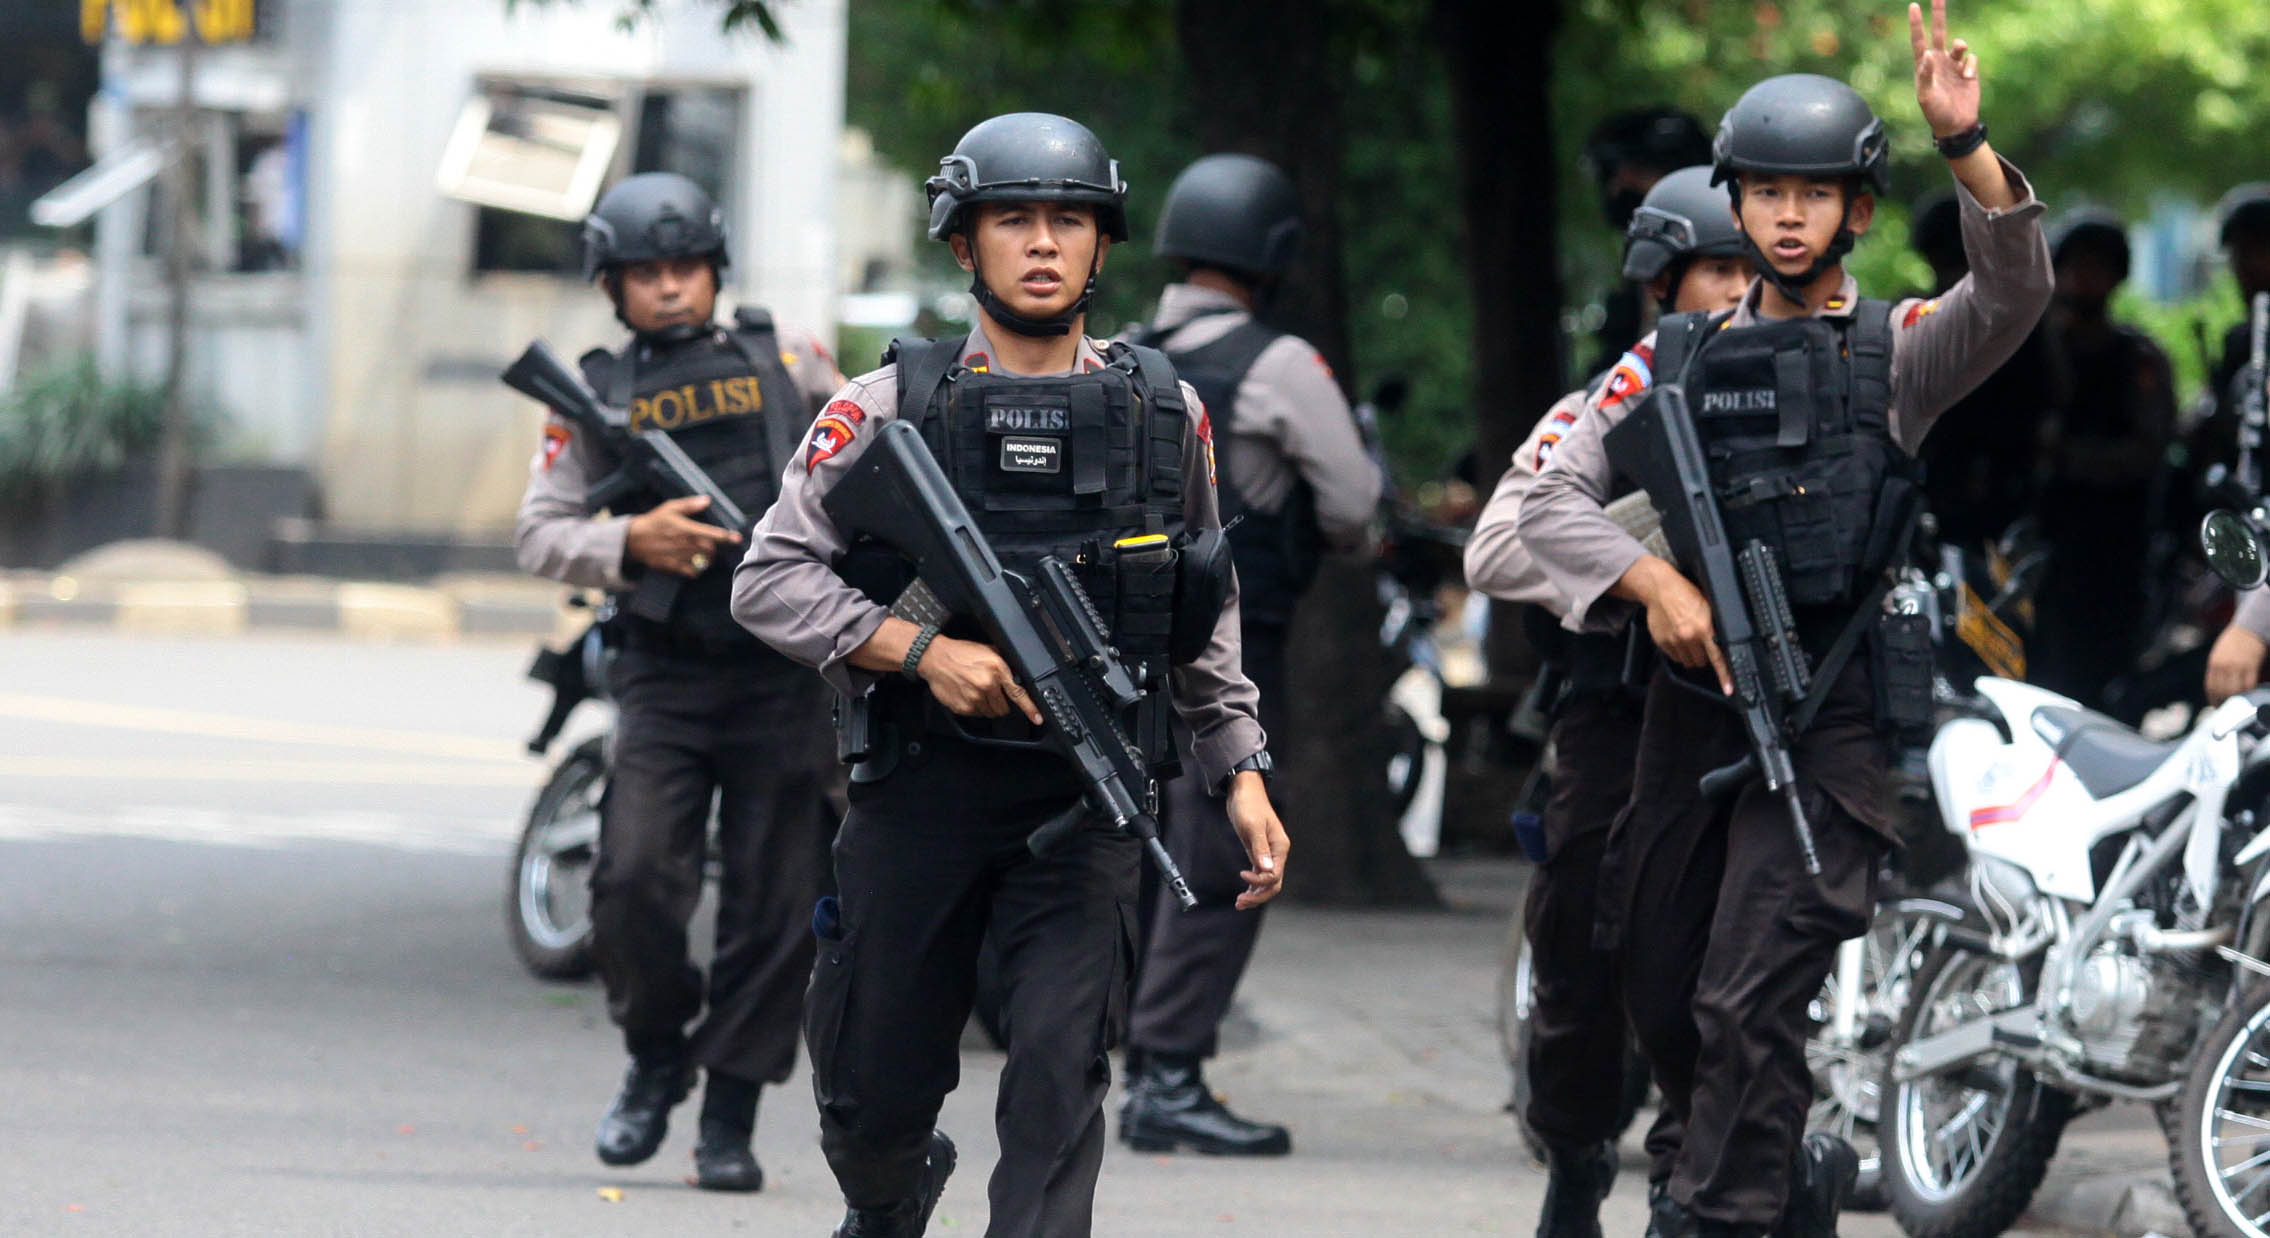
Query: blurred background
[{"x": 261, "y": 632}]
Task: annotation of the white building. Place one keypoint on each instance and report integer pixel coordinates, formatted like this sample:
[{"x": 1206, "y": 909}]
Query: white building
[{"x": 355, "y": 299}]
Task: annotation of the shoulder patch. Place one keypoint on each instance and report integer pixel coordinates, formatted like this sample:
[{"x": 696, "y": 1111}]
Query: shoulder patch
[
  {"x": 555, "y": 441},
  {"x": 1918, "y": 311},
  {"x": 1631, "y": 376},
  {"x": 831, "y": 433},
  {"x": 1324, "y": 365},
  {"x": 846, "y": 409}
]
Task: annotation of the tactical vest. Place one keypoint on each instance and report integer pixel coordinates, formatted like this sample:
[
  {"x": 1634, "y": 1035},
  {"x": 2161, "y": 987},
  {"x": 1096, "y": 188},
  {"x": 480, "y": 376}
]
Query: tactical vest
[
  {"x": 729, "y": 401},
  {"x": 1795, "y": 416},
  {"x": 1277, "y": 553},
  {"x": 1070, "y": 466}
]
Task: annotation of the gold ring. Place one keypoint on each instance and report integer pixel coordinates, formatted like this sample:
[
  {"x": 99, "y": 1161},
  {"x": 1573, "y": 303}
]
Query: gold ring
[{"x": 700, "y": 562}]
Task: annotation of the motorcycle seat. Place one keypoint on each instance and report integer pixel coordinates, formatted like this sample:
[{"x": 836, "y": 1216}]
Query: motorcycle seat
[{"x": 2106, "y": 756}]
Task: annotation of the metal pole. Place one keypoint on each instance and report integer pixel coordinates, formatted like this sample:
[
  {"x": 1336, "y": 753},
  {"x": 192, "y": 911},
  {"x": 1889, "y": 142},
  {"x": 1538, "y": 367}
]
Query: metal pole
[{"x": 173, "y": 427}]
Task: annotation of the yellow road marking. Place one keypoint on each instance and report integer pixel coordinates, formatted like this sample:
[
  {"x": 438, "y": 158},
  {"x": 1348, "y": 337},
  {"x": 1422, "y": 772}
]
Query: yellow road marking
[{"x": 267, "y": 730}]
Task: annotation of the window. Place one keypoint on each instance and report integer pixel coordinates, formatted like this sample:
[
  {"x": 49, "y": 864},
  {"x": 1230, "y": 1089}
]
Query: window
[
  {"x": 533, "y": 162},
  {"x": 252, "y": 218}
]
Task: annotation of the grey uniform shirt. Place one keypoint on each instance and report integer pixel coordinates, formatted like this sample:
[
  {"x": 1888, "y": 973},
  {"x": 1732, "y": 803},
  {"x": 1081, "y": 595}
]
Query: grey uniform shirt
[
  {"x": 2254, "y": 612},
  {"x": 556, "y": 536},
  {"x": 1496, "y": 562},
  {"x": 787, "y": 591},
  {"x": 1291, "y": 421},
  {"x": 1941, "y": 349}
]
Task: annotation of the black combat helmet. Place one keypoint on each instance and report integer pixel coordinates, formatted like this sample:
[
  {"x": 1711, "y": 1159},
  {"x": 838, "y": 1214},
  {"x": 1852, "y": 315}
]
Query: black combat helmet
[
  {"x": 1660, "y": 139},
  {"x": 1028, "y": 157},
  {"x": 651, "y": 216},
  {"x": 1234, "y": 212},
  {"x": 2244, "y": 209},
  {"x": 2097, "y": 232},
  {"x": 1683, "y": 217},
  {"x": 1802, "y": 124}
]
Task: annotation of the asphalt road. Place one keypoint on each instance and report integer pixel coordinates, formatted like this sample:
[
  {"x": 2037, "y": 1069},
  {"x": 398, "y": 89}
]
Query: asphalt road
[{"x": 253, "y": 981}]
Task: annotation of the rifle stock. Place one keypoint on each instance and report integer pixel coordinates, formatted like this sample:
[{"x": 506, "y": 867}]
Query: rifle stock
[{"x": 895, "y": 494}]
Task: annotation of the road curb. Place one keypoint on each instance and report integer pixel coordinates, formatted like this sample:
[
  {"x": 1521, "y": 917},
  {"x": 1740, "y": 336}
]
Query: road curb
[{"x": 444, "y": 611}]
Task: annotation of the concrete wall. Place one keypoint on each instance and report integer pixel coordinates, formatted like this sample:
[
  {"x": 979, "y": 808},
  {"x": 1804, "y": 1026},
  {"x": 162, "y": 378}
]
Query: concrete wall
[
  {"x": 418, "y": 433},
  {"x": 375, "y": 363}
]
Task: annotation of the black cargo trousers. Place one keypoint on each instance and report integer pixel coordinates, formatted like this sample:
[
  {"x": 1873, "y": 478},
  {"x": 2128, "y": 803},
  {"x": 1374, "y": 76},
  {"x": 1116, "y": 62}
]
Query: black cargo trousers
[
  {"x": 750, "y": 730},
  {"x": 1191, "y": 961},
  {"x": 1578, "y": 1034},
  {"x": 930, "y": 863},
  {"x": 1724, "y": 940}
]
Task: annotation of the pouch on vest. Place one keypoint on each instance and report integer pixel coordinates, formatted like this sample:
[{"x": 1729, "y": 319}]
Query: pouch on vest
[
  {"x": 1903, "y": 658},
  {"x": 1203, "y": 572}
]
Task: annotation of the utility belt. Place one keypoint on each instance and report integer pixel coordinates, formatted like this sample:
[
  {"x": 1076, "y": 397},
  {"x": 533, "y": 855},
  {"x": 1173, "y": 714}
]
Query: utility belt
[
  {"x": 876, "y": 731},
  {"x": 676, "y": 641},
  {"x": 1598, "y": 663}
]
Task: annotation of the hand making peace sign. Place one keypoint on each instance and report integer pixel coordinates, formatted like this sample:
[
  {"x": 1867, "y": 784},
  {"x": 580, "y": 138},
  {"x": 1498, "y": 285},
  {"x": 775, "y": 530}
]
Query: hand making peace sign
[{"x": 1946, "y": 78}]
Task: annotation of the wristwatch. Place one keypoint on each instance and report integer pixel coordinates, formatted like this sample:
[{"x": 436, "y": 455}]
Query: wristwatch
[{"x": 1259, "y": 763}]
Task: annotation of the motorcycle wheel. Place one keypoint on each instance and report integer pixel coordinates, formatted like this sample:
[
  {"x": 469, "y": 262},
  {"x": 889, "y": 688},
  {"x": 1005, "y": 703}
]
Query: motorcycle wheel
[
  {"x": 1848, "y": 1079},
  {"x": 1516, "y": 998},
  {"x": 1964, "y": 1151},
  {"x": 2218, "y": 1129},
  {"x": 547, "y": 906}
]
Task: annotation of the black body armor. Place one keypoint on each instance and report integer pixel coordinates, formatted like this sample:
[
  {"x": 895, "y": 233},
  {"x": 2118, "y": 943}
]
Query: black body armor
[
  {"x": 1277, "y": 553},
  {"x": 1085, "y": 467},
  {"x": 1795, "y": 417},
  {"x": 726, "y": 398}
]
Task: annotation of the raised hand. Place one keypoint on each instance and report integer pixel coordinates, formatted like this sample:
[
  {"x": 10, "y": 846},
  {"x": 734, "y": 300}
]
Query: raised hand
[{"x": 1946, "y": 77}]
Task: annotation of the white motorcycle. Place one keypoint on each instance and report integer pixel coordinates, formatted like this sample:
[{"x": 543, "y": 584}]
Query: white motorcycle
[{"x": 2114, "y": 950}]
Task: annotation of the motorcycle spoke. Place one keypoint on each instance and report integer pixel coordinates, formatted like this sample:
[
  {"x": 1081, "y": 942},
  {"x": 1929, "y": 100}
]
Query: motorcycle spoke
[
  {"x": 2258, "y": 1158},
  {"x": 2244, "y": 1119}
]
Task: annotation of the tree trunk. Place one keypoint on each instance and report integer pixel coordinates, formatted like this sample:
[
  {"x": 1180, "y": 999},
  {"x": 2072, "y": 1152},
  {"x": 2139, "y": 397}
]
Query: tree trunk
[
  {"x": 1268, "y": 80},
  {"x": 173, "y": 425},
  {"x": 1499, "y": 59},
  {"x": 1499, "y": 62}
]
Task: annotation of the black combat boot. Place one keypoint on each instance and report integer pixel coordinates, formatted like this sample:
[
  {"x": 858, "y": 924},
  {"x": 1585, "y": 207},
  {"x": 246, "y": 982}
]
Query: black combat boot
[
  {"x": 1168, "y": 1106},
  {"x": 1826, "y": 1169},
  {"x": 908, "y": 1218},
  {"x": 1576, "y": 1180},
  {"x": 636, "y": 1123},
  {"x": 722, "y": 1158}
]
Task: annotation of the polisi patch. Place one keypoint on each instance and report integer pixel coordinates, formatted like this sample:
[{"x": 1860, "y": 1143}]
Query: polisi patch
[
  {"x": 1754, "y": 400},
  {"x": 1032, "y": 455},
  {"x": 1007, "y": 419}
]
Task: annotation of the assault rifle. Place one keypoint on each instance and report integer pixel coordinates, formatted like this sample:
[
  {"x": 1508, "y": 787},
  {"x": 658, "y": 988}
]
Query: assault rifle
[
  {"x": 1749, "y": 601},
  {"x": 652, "y": 463},
  {"x": 1046, "y": 628}
]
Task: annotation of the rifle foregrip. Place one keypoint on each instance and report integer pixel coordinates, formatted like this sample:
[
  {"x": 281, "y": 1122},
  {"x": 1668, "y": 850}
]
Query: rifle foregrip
[
  {"x": 1054, "y": 832},
  {"x": 1727, "y": 779}
]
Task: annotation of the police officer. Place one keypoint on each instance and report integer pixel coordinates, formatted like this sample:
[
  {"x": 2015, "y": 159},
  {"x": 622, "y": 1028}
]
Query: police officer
[
  {"x": 1626, "y": 154},
  {"x": 1293, "y": 465},
  {"x": 1683, "y": 249},
  {"x": 2105, "y": 448},
  {"x": 932, "y": 858},
  {"x": 2242, "y": 226},
  {"x": 702, "y": 707},
  {"x": 1724, "y": 938}
]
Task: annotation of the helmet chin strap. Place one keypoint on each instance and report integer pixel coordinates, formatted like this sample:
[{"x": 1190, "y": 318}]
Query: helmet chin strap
[
  {"x": 1794, "y": 287},
  {"x": 1059, "y": 323},
  {"x": 674, "y": 334}
]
